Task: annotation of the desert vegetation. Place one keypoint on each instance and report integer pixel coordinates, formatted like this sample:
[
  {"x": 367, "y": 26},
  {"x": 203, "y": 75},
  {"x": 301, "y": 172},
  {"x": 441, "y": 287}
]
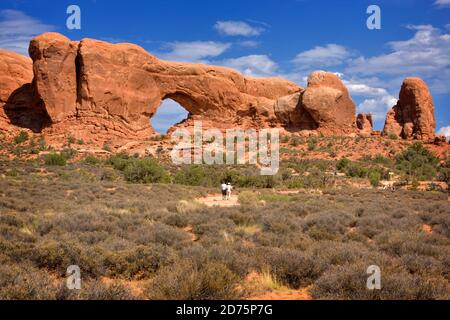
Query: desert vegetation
[
  {"x": 137, "y": 231},
  {"x": 134, "y": 227}
]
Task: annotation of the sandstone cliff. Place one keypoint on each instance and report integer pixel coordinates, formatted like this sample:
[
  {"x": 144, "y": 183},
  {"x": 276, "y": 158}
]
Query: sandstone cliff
[{"x": 413, "y": 116}]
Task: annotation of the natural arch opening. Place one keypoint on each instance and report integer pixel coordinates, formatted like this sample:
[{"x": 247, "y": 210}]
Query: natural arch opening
[{"x": 169, "y": 114}]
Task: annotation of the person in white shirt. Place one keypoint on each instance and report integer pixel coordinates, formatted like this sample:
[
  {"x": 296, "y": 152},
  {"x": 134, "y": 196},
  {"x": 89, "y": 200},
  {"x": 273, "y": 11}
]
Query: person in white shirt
[
  {"x": 224, "y": 190},
  {"x": 229, "y": 188}
]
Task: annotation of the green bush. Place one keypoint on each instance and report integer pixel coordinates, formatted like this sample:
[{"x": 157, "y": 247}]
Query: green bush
[
  {"x": 374, "y": 178},
  {"x": 55, "y": 159},
  {"x": 199, "y": 175},
  {"x": 90, "y": 159},
  {"x": 417, "y": 162},
  {"x": 342, "y": 164},
  {"x": 145, "y": 171},
  {"x": 119, "y": 161}
]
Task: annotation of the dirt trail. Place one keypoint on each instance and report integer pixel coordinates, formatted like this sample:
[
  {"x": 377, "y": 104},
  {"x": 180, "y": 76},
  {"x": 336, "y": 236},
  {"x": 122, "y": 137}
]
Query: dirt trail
[
  {"x": 302, "y": 294},
  {"x": 216, "y": 201}
]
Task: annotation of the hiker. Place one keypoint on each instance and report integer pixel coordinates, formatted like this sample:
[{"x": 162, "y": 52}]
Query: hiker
[
  {"x": 229, "y": 188},
  {"x": 224, "y": 190}
]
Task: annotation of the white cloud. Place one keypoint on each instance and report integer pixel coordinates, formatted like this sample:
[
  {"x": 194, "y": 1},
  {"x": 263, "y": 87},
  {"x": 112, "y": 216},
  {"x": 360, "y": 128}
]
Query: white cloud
[
  {"x": 237, "y": 28},
  {"x": 427, "y": 55},
  {"x": 253, "y": 65},
  {"x": 330, "y": 55},
  {"x": 249, "y": 44},
  {"x": 378, "y": 107},
  {"x": 445, "y": 131},
  {"x": 442, "y": 3},
  {"x": 17, "y": 29},
  {"x": 377, "y": 100},
  {"x": 195, "y": 51}
]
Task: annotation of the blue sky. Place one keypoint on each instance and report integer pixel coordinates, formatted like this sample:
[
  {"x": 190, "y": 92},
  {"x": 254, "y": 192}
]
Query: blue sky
[{"x": 288, "y": 38}]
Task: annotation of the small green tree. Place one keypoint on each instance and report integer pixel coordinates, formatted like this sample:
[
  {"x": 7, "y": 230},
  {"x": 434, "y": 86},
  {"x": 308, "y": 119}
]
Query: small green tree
[
  {"x": 374, "y": 178},
  {"x": 145, "y": 171},
  {"x": 419, "y": 163}
]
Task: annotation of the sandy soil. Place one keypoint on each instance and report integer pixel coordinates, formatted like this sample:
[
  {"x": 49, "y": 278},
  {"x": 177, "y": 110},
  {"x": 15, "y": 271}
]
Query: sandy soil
[
  {"x": 216, "y": 201},
  {"x": 302, "y": 294}
]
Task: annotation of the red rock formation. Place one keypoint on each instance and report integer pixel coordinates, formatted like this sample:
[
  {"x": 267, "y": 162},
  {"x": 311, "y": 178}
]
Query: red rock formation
[
  {"x": 327, "y": 101},
  {"x": 413, "y": 116},
  {"x": 16, "y": 94},
  {"x": 364, "y": 122},
  {"x": 325, "y": 105},
  {"x": 55, "y": 76},
  {"x": 117, "y": 88},
  {"x": 99, "y": 91}
]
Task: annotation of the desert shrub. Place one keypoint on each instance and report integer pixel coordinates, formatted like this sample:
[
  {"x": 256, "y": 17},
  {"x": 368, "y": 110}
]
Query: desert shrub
[
  {"x": 198, "y": 175},
  {"x": 139, "y": 262},
  {"x": 25, "y": 282},
  {"x": 92, "y": 160},
  {"x": 444, "y": 172},
  {"x": 119, "y": 161},
  {"x": 398, "y": 243},
  {"x": 374, "y": 178},
  {"x": 55, "y": 159},
  {"x": 380, "y": 159},
  {"x": 96, "y": 290},
  {"x": 186, "y": 280},
  {"x": 342, "y": 164},
  {"x": 21, "y": 137},
  {"x": 314, "y": 179},
  {"x": 248, "y": 198},
  {"x": 145, "y": 171},
  {"x": 355, "y": 170},
  {"x": 108, "y": 175},
  {"x": 184, "y": 207},
  {"x": 58, "y": 255},
  {"x": 416, "y": 161},
  {"x": 327, "y": 225},
  {"x": 177, "y": 220},
  {"x": 339, "y": 253},
  {"x": 212, "y": 176},
  {"x": 294, "y": 268},
  {"x": 349, "y": 282}
]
